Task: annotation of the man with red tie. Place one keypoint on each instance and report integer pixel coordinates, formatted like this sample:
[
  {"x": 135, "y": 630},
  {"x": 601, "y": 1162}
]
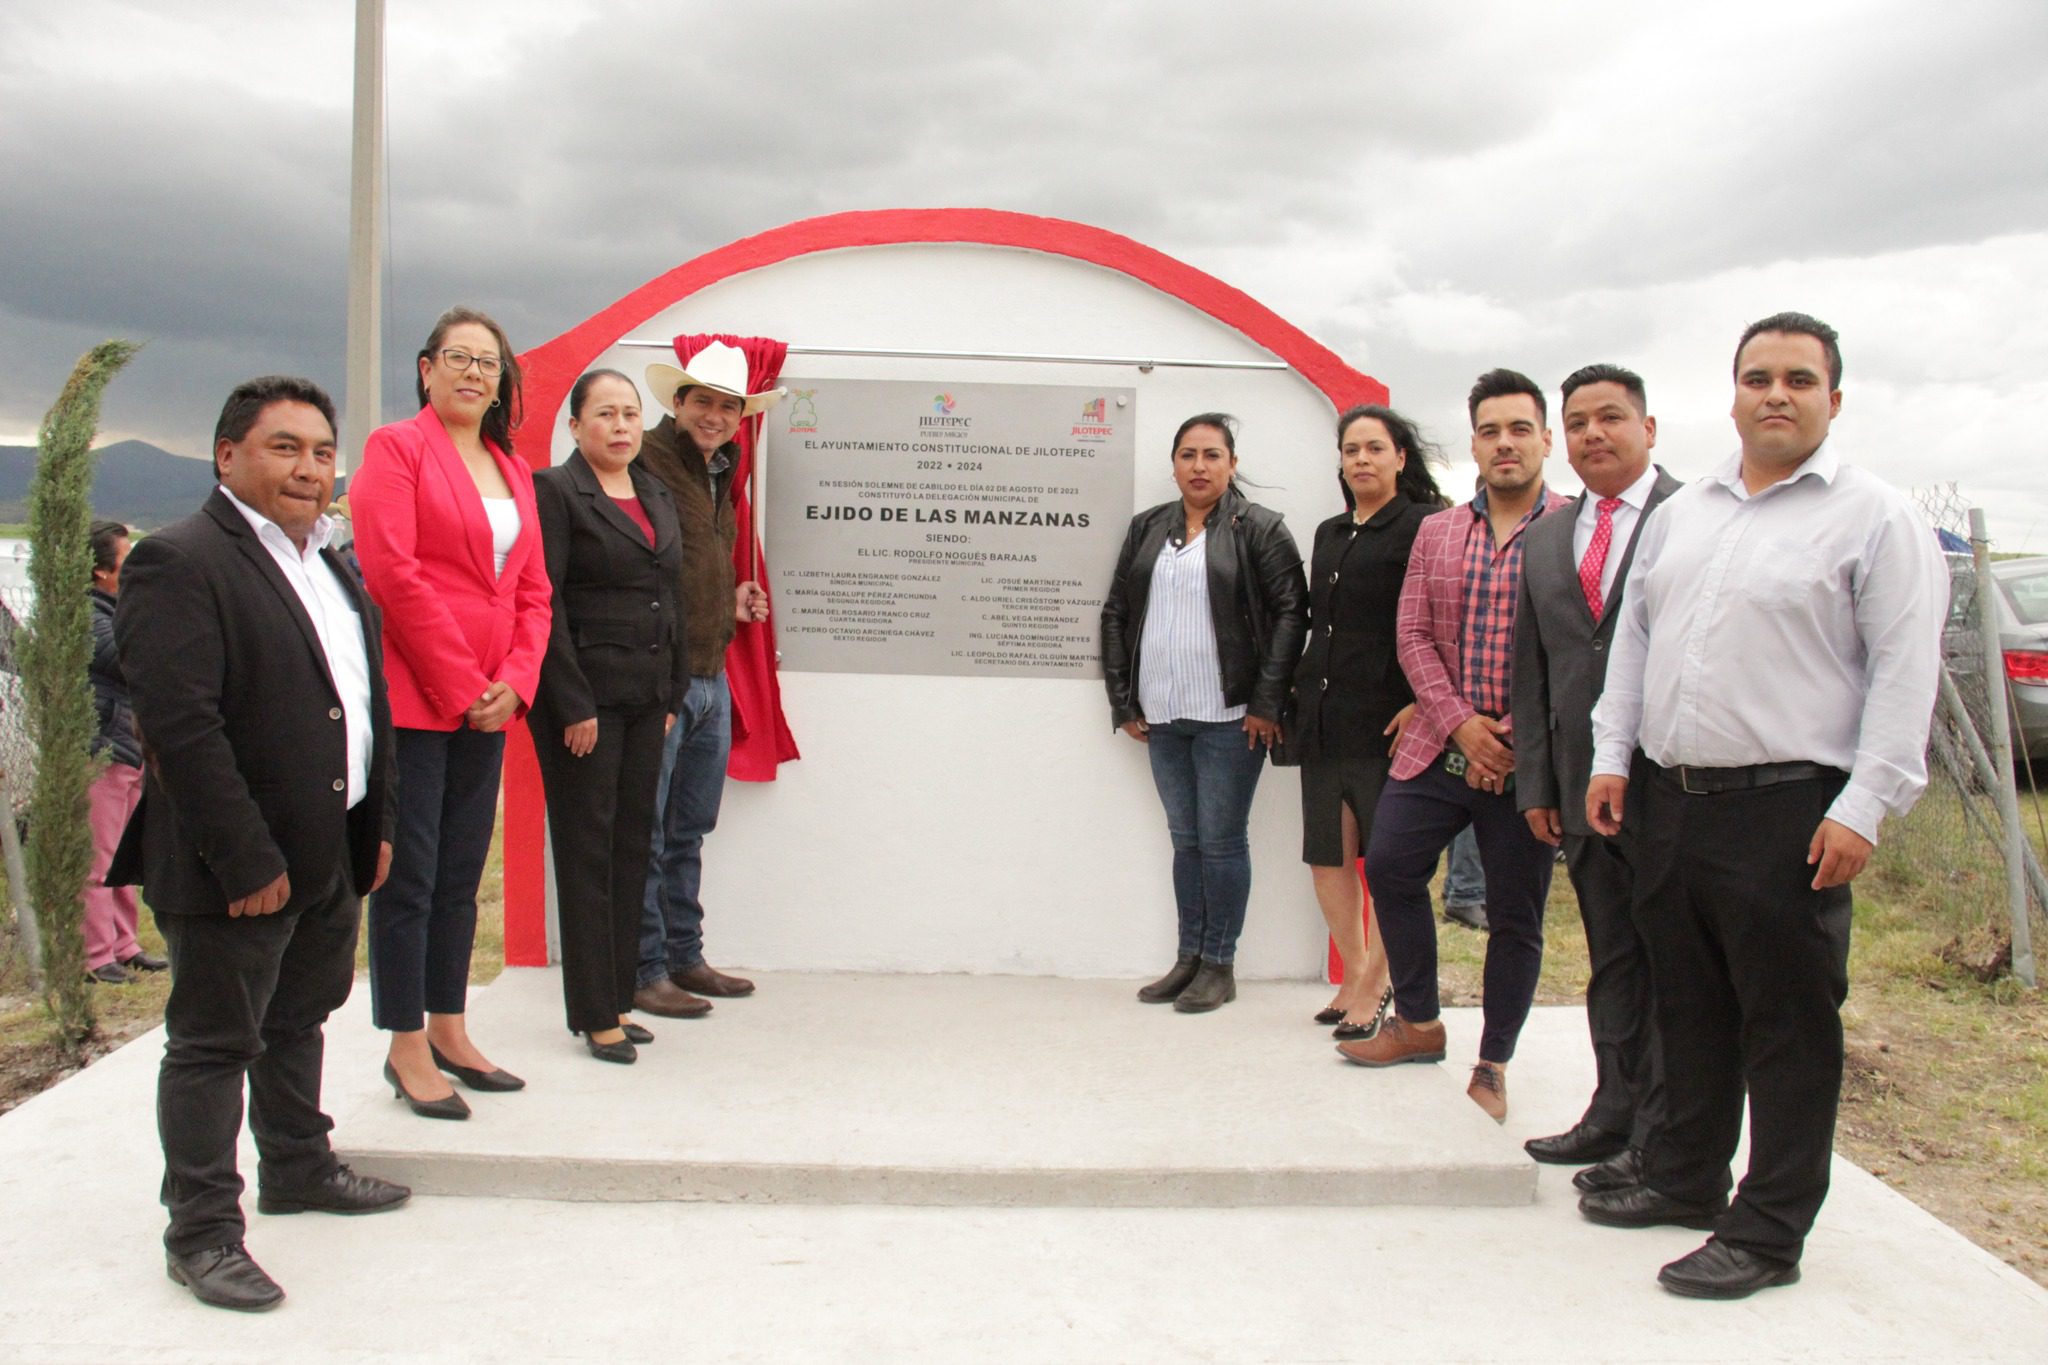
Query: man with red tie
[{"x": 1573, "y": 569}]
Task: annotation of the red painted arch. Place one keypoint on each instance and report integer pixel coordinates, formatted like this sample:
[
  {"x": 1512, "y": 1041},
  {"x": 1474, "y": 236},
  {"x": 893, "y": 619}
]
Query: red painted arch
[{"x": 552, "y": 368}]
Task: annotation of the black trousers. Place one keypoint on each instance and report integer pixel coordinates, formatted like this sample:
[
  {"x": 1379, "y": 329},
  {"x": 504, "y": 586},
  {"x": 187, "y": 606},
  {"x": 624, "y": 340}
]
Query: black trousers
[
  {"x": 423, "y": 919},
  {"x": 1628, "y": 1096},
  {"x": 1416, "y": 821},
  {"x": 600, "y": 821},
  {"x": 248, "y": 998},
  {"x": 1749, "y": 967}
]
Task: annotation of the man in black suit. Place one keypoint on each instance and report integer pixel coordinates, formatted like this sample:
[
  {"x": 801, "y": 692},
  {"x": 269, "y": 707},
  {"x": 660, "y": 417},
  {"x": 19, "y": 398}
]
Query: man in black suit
[
  {"x": 1572, "y": 576},
  {"x": 258, "y": 686}
]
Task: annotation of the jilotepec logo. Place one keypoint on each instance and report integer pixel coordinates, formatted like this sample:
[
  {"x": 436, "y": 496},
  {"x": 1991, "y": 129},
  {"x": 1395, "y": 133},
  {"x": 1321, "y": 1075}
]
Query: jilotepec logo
[
  {"x": 942, "y": 403},
  {"x": 1094, "y": 426},
  {"x": 1096, "y": 411},
  {"x": 803, "y": 412}
]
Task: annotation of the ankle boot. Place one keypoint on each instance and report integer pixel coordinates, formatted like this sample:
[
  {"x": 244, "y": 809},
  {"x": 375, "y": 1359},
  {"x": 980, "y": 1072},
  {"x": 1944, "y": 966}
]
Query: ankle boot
[
  {"x": 1214, "y": 984},
  {"x": 1172, "y": 984}
]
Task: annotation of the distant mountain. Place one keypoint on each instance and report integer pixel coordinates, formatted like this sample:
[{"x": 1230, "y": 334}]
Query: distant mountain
[{"x": 133, "y": 481}]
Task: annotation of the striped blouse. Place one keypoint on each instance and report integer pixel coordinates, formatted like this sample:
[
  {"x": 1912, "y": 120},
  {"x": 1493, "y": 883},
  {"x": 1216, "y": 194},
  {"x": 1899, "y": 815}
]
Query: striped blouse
[{"x": 1180, "y": 672}]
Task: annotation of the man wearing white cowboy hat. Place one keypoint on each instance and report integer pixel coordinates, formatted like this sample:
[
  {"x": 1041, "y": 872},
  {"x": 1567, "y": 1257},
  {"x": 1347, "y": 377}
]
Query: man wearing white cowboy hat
[{"x": 693, "y": 451}]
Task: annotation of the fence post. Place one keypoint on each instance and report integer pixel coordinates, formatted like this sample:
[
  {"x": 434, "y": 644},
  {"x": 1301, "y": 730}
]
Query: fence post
[
  {"x": 17, "y": 885},
  {"x": 2004, "y": 785}
]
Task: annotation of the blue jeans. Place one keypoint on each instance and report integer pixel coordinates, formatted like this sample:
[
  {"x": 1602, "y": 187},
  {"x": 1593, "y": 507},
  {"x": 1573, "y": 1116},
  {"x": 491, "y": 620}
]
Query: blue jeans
[
  {"x": 691, "y": 785},
  {"x": 1206, "y": 776},
  {"x": 1465, "y": 883}
]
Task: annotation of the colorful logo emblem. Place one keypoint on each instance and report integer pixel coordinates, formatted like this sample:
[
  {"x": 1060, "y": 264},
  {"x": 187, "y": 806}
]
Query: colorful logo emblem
[
  {"x": 803, "y": 412},
  {"x": 1097, "y": 411},
  {"x": 942, "y": 403}
]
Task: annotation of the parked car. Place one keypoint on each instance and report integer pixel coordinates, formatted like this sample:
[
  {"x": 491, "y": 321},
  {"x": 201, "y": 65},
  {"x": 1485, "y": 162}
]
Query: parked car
[{"x": 2022, "y": 600}]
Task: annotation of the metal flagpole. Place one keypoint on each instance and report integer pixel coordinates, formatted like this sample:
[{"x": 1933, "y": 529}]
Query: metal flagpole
[{"x": 366, "y": 237}]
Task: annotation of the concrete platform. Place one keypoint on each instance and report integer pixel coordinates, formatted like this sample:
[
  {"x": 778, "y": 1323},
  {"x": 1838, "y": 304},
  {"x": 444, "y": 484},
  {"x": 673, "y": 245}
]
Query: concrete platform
[
  {"x": 484, "y": 1279},
  {"x": 951, "y": 1090}
]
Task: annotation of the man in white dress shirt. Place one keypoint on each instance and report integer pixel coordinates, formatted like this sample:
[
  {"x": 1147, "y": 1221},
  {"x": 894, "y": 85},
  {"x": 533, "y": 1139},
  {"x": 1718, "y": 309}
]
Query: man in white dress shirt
[{"x": 1767, "y": 704}]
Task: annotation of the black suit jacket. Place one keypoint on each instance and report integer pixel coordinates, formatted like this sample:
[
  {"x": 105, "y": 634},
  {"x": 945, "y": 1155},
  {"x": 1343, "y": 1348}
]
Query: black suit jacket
[
  {"x": 1561, "y": 663},
  {"x": 618, "y": 640},
  {"x": 245, "y": 751}
]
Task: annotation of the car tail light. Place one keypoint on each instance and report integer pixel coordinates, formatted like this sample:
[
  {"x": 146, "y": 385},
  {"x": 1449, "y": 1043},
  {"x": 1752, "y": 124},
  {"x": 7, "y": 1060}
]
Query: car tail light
[{"x": 2026, "y": 666}]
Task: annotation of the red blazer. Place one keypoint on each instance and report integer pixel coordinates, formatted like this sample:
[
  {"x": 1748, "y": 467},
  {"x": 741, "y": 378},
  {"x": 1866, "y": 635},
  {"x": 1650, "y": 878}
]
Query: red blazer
[
  {"x": 1429, "y": 630},
  {"x": 451, "y": 625}
]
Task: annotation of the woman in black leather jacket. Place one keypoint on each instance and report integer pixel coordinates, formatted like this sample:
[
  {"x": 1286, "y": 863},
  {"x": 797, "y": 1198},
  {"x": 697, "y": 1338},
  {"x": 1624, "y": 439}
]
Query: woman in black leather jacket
[
  {"x": 1350, "y": 692},
  {"x": 1200, "y": 635},
  {"x": 112, "y": 953}
]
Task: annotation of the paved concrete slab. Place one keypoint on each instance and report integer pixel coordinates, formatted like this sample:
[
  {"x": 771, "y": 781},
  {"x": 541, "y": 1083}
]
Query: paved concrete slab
[
  {"x": 951, "y": 1090},
  {"x": 480, "y": 1279}
]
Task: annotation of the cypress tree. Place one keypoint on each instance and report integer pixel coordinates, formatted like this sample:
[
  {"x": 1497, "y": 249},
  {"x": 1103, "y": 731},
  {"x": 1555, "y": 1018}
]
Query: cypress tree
[{"x": 54, "y": 664}]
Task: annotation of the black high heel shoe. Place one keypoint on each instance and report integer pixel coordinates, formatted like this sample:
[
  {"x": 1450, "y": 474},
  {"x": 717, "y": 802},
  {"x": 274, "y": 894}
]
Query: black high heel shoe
[
  {"x": 621, "y": 1052},
  {"x": 450, "y": 1106},
  {"x": 1329, "y": 1016},
  {"x": 474, "y": 1079},
  {"x": 636, "y": 1035},
  {"x": 1350, "y": 1032}
]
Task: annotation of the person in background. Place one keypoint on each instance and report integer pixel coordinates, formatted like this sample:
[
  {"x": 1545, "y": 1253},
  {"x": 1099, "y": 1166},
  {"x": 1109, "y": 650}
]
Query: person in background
[
  {"x": 112, "y": 954},
  {"x": 1767, "y": 704},
  {"x": 694, "y": 450},
  {"x": 1201, "y": 633},
  {"x": 617, "y": 663},
  {"x": 1454, "y": 766},
  {"x": 450, "y": 548},
  {"x": 1465, "y": 883},
  {"x": 1350, "y": 693}
]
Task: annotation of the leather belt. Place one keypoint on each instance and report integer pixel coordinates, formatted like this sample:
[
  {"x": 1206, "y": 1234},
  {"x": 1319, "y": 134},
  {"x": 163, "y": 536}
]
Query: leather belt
[{"x": 1713, "y": 781}]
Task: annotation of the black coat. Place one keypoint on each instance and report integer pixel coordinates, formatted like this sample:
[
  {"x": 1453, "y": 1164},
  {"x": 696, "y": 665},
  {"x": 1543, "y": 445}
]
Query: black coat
[
  {"x": 1257, "y": 600},
  {"x": 1349, "y": 684},
  {"x": 116, "y": 735},
  {"x": 617, "y": 642},
  {"x": 245, "y": 751}
]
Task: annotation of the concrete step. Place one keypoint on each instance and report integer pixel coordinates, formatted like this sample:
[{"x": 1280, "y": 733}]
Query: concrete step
[{"x": 954, "y": 1091}]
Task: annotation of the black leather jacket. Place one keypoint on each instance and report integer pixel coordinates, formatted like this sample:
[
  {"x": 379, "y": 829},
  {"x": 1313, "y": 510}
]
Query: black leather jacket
[
  {"x": 1258, "y": 600},
  {"x": 116, "y": 735}
]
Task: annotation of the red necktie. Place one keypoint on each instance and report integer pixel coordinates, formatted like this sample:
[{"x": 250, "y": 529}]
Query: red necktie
[{"x": 1595, "y": 562}]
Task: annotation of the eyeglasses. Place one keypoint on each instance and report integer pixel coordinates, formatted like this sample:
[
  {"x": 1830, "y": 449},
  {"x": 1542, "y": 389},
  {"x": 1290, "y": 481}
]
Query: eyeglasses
[{"x": 461, "y": 360}]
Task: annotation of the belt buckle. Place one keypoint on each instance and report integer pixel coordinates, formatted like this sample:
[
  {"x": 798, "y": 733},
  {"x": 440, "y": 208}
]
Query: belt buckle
[
  {"x": 1455, "y": 764},
  {"x": 1685, "y": 783}
]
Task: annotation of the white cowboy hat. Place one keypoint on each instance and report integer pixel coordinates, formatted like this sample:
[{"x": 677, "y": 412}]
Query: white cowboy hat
[{"x": 718, "y": 367}]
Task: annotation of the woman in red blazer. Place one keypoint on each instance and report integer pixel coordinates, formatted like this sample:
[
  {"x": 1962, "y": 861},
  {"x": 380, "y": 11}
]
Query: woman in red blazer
[{"x": 450, "y": 546}]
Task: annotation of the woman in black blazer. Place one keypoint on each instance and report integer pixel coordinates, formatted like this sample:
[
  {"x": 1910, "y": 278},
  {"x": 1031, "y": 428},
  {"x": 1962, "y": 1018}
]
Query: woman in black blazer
[{"x": 615, "y": 670}]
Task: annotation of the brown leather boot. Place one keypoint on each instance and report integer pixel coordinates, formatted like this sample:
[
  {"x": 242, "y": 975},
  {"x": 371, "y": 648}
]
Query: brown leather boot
[
  {"x": 1172, "y": 984},
  {"x": 706, "y": 979},
  {"x": 1398, "y": 1041},
  {"x": 1215, "y": 984},
  {"x": 671, "y": 1001}
]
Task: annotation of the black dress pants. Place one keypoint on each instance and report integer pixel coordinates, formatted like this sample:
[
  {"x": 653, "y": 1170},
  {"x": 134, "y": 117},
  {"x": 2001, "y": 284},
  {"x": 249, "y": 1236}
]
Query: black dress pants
[
  {"x": 1749, "y": 967},
  {"x": 248, "y": 998},
  {"x": 601, "y": 821},
  {"x": 1629, "y": 1094}
]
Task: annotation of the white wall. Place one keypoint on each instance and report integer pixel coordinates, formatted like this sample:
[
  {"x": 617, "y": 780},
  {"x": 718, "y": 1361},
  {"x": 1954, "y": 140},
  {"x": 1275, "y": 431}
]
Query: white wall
[{"x": 993, "y": 825}]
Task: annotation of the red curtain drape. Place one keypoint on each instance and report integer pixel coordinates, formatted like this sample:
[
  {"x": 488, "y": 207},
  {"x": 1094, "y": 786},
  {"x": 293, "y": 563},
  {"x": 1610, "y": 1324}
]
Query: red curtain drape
[{"x": 760, "y": 732}]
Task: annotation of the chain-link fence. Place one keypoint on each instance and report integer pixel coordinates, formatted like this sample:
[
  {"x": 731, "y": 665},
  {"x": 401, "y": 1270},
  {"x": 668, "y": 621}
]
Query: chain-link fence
[
  {"x": 1947, "y": 858},
  {"x": 17, "y": 752}
]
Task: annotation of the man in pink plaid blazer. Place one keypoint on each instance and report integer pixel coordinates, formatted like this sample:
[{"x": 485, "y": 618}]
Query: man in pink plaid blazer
[{"x": 1454, "y": 762}]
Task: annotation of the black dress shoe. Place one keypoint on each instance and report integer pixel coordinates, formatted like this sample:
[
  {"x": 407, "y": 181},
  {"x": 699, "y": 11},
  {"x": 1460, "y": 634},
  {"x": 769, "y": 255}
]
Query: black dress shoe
[
  {"x": 475, "y": 1079},
  {"x": 449, "y": 1106},
  {"x": 225, "y": 1277},
  {"x": 1720, "y": 1271},
  {"x": 1579, "y": 1145},
  {"x": 1470, "y": 914},
  {"x": 343, "y": 1191},
  {"x": 1639, "y": 1206},
  {"x": 636, "y": 1035},
  {"x": 1215, "y": 984},
  {"x": 110, "y": 974},
  {"x": 1170, "y": 986},
  {"x": 1615, "y": 1173},
  {"x": 145, "y": 962},
  {"x": 1345, "y": 1033},
  {"x": 622, "y": 1052}
]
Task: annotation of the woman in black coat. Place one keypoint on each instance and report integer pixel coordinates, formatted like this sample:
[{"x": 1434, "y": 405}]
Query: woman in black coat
[
  {"x": 1350, "y": 692},
  {"x": 1200, "y": 634},
  {"x": 615, "y": 671}
]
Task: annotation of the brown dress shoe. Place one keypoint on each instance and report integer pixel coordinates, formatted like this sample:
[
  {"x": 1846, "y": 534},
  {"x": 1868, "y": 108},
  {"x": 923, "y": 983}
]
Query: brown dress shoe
[
  {"x": 706, "y": 979},
  {"x": 1398, "y": 1041},
  {"x": 1489, "y": 1090},
  {"x": 668, "y": 999}
]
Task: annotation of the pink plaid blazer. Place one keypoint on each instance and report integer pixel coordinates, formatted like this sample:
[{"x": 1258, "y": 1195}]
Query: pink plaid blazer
[{"x": 1428, "y": 631}]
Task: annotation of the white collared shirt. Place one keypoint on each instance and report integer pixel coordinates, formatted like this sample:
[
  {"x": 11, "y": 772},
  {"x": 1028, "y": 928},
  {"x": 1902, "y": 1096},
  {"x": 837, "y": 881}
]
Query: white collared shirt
[
  {"x": 1633, "y": 499},
  {"x": 1799, "y": 624},
  {"x": 335, "y": 621},
  {"x": 1180, "y": 670}
]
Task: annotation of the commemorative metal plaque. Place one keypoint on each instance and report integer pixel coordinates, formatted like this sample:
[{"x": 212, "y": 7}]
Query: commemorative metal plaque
[{"x": 965, "y": 529}]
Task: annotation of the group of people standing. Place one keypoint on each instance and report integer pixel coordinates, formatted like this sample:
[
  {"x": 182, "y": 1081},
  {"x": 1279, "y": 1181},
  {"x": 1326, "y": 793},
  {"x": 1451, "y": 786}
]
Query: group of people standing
[
  {"x": 310, "y": 727},
  {"x": 1748, "y": 662}
]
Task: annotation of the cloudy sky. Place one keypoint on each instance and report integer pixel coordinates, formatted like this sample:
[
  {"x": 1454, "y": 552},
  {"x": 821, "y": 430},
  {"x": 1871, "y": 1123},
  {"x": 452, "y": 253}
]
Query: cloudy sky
[{"x": 1431, "y": 189}]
